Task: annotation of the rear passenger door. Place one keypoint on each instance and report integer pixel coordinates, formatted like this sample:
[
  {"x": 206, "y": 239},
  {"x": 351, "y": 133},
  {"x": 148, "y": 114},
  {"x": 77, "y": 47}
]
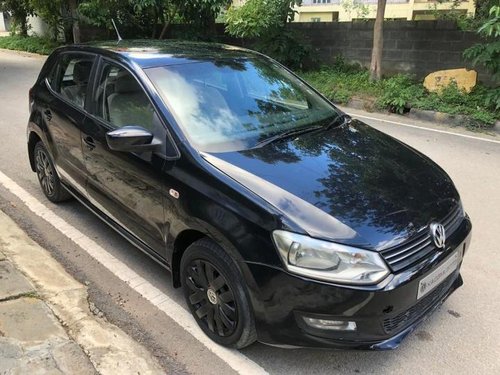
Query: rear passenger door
[
  {"x": 125, "y": 186},
  {"x": 64, "y": 114}
]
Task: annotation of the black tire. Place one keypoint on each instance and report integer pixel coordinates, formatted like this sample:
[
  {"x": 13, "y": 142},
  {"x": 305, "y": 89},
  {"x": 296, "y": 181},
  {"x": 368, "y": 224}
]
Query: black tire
[
  {"x": 47, "y": 175},
  {"x": 216, "y": 296}
]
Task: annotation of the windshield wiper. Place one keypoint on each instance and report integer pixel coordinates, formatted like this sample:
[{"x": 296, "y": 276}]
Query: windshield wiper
[
  {"x": 340, "y": 120},
  {"x": 287, "y": 134}
]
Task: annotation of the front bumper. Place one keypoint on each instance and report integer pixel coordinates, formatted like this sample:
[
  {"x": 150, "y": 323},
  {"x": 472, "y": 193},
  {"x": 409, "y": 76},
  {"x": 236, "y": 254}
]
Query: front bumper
[{"x": 384, "y": 314}]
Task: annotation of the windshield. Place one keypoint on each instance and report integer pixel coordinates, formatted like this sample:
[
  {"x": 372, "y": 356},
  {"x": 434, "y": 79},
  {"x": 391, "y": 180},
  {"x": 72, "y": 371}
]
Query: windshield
[{"x": 233, "y": 104}]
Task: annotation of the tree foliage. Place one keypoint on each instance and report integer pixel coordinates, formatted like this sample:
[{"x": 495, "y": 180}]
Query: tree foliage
[
  {"x": 256, "y": 18},
  {"x": 141, "y": 17},
  {"x": 488, "y": 53},
  {"x": 20, "y": 10},
  {"x": 266, "y": 21},
  {"x": 53, "y": 13}
]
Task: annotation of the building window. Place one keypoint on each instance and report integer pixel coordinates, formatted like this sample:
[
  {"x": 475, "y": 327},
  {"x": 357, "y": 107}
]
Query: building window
[{"x": 315, "y": 19}]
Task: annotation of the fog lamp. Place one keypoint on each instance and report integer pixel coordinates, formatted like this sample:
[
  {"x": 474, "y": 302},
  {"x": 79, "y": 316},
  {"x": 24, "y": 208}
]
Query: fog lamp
[{"x": 333, "y": 325}]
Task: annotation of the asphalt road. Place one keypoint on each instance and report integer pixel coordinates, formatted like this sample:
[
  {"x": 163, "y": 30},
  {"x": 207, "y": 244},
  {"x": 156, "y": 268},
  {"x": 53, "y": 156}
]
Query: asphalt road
[{"x": 461, "y": 338}]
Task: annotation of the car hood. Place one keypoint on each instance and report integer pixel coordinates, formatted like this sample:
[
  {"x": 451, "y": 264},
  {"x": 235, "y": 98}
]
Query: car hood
[{"x": 352, "y": 184}]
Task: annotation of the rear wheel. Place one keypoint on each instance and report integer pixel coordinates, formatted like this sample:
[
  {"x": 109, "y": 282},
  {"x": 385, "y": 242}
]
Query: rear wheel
[
  {"x": 47, "y": 175},
  {"x": 215, "y": 295}
]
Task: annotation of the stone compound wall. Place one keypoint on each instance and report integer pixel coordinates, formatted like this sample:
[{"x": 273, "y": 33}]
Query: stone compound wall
[{"x": 415, "y": 47}]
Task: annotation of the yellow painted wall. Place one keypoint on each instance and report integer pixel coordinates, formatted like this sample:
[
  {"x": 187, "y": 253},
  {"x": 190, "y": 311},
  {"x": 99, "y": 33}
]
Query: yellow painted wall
[
  {"x": 401, "y": 11},
  {"x": 324, "y": 16}
]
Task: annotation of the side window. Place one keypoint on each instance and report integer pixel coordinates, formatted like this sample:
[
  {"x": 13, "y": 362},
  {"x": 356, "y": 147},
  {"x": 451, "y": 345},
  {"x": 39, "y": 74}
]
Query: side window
[
  {"x": 51, "y": 75},
  {"x": 72, "y": 78},
  {"x": 121, "y": 101}
]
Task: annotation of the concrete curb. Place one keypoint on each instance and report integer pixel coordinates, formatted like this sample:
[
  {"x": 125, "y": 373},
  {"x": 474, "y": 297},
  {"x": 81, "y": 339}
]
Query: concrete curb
[
  {"x": 110, "y": 350},
  {"x": 419, "y": 114}
]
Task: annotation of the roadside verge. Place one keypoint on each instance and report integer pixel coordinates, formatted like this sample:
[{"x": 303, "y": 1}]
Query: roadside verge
[
  {"x": 440, "y": 118},
  {"x": 44, "y": 310}
]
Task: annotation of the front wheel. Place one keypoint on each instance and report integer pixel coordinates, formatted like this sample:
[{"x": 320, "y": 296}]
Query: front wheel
[
  {"x": 47, "y": 175},
  {"x": 215, "y": 295}
]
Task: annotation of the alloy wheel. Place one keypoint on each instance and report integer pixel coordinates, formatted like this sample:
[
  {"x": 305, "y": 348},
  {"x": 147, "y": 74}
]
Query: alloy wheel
[
  {"x": 45, "y": 172},
  {"x": 211, "y": 298}
]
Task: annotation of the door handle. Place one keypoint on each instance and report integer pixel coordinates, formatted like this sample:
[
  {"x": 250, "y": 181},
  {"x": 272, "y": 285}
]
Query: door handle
[
  {"x": 89, "y": 142},
  {"x": 48, "y": 114}
]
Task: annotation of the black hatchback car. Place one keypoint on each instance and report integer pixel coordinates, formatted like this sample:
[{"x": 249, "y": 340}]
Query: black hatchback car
[{"x": 283, "y": 219}]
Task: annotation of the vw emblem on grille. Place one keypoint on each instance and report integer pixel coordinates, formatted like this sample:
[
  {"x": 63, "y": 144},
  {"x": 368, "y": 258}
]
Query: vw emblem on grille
[{"x": 438, "y": 235}]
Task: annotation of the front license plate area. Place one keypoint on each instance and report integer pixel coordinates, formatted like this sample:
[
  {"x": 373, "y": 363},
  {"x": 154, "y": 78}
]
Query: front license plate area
[{"x": 436, "y": 277}]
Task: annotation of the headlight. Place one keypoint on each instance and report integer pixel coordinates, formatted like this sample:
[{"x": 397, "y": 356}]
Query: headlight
[{"x": 329, "y": 261}]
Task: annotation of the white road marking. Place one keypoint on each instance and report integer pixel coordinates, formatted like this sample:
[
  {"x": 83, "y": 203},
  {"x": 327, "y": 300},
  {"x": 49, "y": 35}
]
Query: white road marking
[
  {"x": 424, "y": 128},
  {"x": 236, "y": 360}
]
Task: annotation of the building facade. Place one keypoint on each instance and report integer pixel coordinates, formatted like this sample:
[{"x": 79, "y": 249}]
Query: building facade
[
  {"x": 4, "y": 23},
  {"x": 348, "y": 10}
]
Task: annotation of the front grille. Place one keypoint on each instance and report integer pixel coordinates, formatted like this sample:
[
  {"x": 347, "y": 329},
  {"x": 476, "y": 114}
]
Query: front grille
[
  {"x": 420, "y": 246},
  {"x": 409, "y": 316}
]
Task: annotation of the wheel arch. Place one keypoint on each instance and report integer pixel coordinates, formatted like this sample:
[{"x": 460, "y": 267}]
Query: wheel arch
[
  {"x": 188, "y": 236},
  {"x": 33, "y": 139},
  {"x": 183, "y": 240}
]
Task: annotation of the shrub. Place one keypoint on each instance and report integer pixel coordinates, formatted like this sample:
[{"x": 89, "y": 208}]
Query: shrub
[
  {"x": 285, "y": 46},
  {"x": 488, "y": 54},
  {"x": 265, "y": 21},
  {"x": 342, "y": 81},
  {"x": 399, "y": 93},
  {"x": 33, "y": 44}
]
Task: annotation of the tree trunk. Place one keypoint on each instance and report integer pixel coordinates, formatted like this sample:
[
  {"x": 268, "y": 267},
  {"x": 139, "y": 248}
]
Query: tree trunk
[
  {"x": 23, "y": 25},
  {"x": 378, "y": 42},
  {"x": 164, "y": 29},
  {"x": 21, "y": 18},
  {"x": 155, "y": 17},
  {"x": 170, "y": 16},
  {"x": 73, "y": 8}
]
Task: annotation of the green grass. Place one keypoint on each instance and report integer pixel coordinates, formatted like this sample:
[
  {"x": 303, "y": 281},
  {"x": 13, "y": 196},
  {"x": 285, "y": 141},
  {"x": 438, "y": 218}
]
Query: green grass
[
  {"x": 341, "y": 82},
  {"x": 32, "y": 44}
]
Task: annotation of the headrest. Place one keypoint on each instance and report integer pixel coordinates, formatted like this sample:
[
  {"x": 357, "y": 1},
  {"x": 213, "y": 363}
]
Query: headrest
[
  {"x": 125, "y": 83},
  {"x": 81, "y": 71}
]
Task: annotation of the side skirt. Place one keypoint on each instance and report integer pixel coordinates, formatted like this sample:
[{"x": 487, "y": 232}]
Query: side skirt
[{"x": 134, "y": 240}]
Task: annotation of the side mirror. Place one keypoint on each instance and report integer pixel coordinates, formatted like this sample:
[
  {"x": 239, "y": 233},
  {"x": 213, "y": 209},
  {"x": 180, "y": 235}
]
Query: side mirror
[{"x": 132, "y": 139}]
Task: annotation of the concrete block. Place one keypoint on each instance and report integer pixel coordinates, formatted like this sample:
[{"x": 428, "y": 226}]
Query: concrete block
[
  {"x": 12, "y": 282},
  {"x": 455, "y": 57},
  {"x": 454, "y": 36},
  {"x": 496, "y": 127},
  {"x": 71, "y": 360},
  {"x": 391, "y": 55},
  {"x": 445, "y": 46},
  {"x": 446, "y": 24},
  {"x": 28, "y": 320},
  {"x": 390, "y": 44},
  {"x": 427, "y": 25},
  {"x": 361, "y": 43}
]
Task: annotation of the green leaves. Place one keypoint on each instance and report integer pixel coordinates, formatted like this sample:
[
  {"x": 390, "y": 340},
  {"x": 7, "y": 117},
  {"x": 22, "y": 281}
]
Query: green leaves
[
  {"x": 488, "y": 54},
  {"x": 342, "y": 81},
  {"x": 266, "y": 21},
  {"x": 20, "y": 10},
  {"x": 255, "y": 18},
  {"x": 399, "y": 93},
  {"x": 32, "y": 44},
  {"x": 491, "y": 28}
]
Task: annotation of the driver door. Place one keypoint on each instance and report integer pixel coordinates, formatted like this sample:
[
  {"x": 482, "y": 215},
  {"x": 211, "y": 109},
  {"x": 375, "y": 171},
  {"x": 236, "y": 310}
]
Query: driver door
[{"x": 125, "y": 186}]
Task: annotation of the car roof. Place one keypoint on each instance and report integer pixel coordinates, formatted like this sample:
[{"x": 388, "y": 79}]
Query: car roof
[{"x": 153, "y": 53}]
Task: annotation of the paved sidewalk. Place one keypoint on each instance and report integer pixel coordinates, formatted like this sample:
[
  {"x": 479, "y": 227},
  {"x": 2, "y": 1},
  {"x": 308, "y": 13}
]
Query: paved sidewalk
[{"x": 46, "y": 324}]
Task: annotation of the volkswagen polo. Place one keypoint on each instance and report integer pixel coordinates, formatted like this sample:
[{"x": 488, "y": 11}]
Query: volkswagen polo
[{"x": 283, "y": 219}]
